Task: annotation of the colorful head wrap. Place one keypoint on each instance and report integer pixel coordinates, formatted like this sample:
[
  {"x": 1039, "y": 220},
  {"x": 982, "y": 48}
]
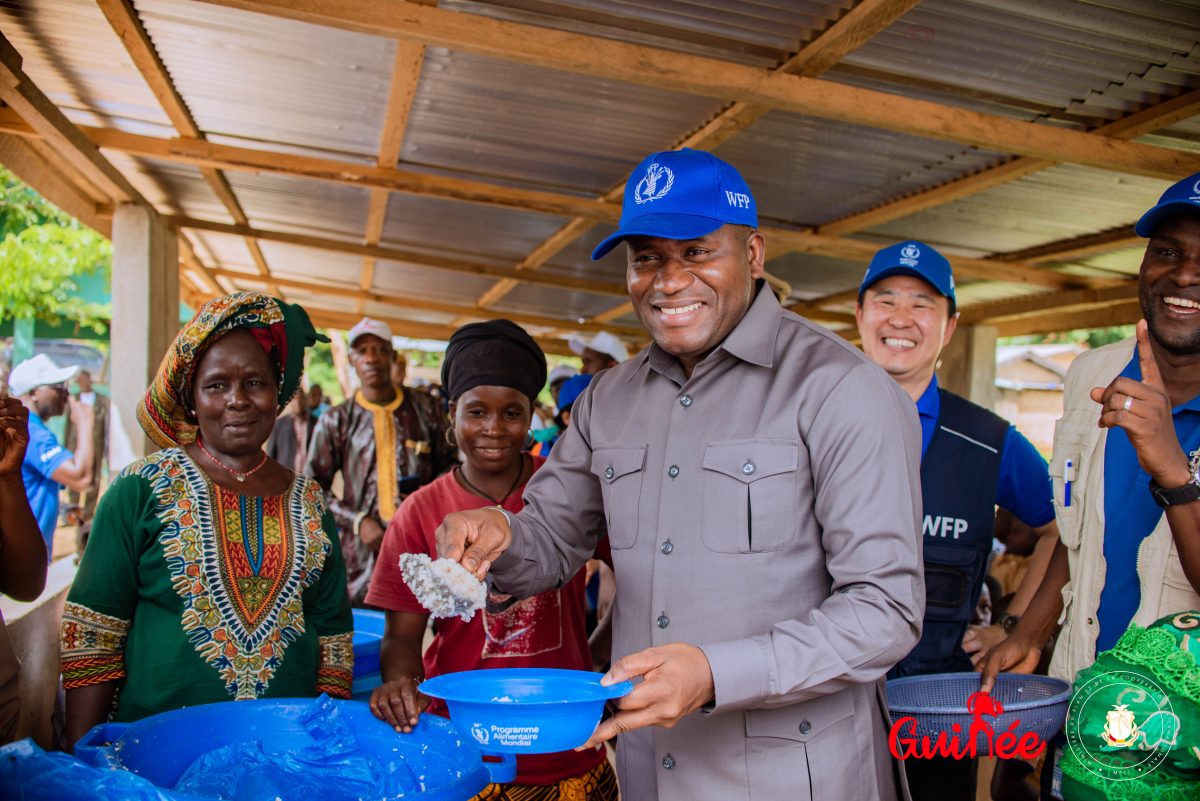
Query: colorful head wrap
[
  {"x": 283, "y": 330},
  {"x": 498, "y": 353}
]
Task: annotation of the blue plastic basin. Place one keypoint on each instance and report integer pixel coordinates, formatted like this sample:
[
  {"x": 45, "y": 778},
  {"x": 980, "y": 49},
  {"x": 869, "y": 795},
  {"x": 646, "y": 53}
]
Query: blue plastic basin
[
  {"x": 161, "y": 747},
  {"x": 368, "y": 637},
  {"x": 524, "y": 710}
]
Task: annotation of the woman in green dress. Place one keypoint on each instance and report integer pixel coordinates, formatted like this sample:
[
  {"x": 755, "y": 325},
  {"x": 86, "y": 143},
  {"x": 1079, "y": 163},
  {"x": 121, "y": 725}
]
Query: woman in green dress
[{"x": 213, "y": 573}]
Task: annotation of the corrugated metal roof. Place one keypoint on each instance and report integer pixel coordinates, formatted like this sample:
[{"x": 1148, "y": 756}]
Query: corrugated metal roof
[
  {"x": 264, "y": 79},
  {"x": 99, "y": 78},
  {"x": 279, "y": 85},
  {"x": 1058, "y": 203},
  {"x": 762, "y": 33},
  {"x": 488, "y": 117}
]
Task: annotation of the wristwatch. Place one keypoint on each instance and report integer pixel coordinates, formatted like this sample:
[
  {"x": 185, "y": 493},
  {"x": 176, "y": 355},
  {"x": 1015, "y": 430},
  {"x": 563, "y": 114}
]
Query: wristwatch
[{"x": 1188, "y": 493}]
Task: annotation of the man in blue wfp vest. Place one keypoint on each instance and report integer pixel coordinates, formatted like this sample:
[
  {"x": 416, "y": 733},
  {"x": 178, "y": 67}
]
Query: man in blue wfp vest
[{"x": 971, "y": 461}]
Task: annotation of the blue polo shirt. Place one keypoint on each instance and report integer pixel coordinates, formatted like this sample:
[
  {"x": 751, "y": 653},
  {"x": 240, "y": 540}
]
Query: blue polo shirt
[
  {"x": 1131, "y": 515},
  {"x": 1023, "y": 486},
  {"x": 43, "y": 456}
]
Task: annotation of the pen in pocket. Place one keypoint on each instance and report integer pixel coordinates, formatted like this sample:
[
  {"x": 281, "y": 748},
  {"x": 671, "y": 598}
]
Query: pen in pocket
[{"x": 1068, "y": 478}]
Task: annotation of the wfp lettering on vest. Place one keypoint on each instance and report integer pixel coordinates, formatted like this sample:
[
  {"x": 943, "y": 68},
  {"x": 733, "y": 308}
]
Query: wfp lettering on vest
[
  {"x": 737, "y": 199},
  {"x": 942, "y": 526}
]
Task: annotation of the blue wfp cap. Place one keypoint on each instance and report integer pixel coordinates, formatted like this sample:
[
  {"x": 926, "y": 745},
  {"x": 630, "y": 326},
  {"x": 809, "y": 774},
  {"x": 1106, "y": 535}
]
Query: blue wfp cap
[
  {"x": 571, "y": 389},
  {"x": 1183, "y": 196},
  {"x": 912, "y": 258},
  {"x": 681, "y": 194}
]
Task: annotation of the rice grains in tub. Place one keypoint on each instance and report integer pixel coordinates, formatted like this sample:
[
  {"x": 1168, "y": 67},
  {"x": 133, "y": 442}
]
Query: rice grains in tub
[{"x": 443, "y": 586}]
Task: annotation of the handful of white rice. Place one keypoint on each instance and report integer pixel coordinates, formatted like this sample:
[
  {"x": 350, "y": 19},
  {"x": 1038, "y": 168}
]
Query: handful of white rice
[{"x": 443, "y": 586}]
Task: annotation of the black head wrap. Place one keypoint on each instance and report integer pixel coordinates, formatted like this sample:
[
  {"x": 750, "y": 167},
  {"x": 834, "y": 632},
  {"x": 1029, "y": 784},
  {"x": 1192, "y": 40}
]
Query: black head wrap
[{"x": 498, "y": 353}]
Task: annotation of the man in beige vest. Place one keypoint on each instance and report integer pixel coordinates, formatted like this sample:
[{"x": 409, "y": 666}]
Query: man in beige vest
[{"x": 1126, "y": 458}]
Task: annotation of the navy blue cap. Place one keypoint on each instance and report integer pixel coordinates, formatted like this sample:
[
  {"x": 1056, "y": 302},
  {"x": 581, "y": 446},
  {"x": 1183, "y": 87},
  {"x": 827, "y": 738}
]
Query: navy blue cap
[
  {"x": 912, "y": 258},
  {"x": 1183, "y": 196},
  {"x": 681, "y": 194},
  {"x": 571, "y": 389}
]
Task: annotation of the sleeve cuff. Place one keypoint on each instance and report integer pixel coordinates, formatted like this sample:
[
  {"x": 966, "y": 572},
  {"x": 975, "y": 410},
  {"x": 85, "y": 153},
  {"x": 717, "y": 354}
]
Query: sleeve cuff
[{"x": 741, "y": 673}]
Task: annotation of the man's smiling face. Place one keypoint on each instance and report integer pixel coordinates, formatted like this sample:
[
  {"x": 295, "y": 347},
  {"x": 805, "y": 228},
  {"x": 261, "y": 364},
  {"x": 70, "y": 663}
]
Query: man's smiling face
[
  {"x": 904, "y": 323},
  {"x": 1169, "y": 284},
  {"x": 690, "y": 293}
]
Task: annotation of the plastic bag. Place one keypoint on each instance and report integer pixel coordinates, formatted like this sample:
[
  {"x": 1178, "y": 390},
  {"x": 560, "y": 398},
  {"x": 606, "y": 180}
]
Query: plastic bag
[
  {"x": 333, "y": 768},
  {"x": 27, "y": 773}
]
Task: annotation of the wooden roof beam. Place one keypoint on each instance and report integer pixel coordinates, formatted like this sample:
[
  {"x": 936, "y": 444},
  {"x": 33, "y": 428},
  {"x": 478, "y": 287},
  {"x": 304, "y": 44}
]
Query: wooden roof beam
[
  {"x": 409, "y": 302},
  {"x": 189, "y": 258},
  {"x": 1153, "y": 118},
  {"x": 35, "y": 168},
  {"x": 406, "y": 74},
  {"x": 853, "y": 30},
  {"x": 44, "y": 118},
  {"x": 407, "y": 257},
  {"x": 123, "y": 19},
  {"x": 1125, "y": 313},
  {"x": 415, "y": 330},
  {"x": 710, "y": 77}
]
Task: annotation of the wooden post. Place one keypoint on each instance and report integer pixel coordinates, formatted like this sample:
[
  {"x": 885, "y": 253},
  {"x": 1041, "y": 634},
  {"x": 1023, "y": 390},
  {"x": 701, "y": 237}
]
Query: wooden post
[
  {"x": 145, "y": 319},
  {"x": 968, "y": 364}
]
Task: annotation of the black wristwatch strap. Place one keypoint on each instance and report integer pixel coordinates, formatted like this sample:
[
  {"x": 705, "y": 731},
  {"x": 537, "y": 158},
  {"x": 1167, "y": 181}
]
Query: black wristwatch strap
[{"x": 1188, "y": 493}]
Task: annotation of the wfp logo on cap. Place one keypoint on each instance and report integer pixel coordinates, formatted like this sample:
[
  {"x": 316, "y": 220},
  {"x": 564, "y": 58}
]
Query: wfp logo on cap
[
  {"x": 655, "y": 184},
  {"x": 909, "y": 254}
]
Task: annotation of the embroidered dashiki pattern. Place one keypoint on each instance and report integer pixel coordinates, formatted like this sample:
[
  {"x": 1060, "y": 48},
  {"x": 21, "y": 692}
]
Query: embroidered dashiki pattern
[
  {"x": 92, "y": 645},
  {"x": 240, "y": 565}
]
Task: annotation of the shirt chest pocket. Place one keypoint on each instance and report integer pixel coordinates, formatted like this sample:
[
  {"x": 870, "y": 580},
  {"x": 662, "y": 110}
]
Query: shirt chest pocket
[
  {"x": 751, "y": 495},
  {"x": 619, "y": 469}
]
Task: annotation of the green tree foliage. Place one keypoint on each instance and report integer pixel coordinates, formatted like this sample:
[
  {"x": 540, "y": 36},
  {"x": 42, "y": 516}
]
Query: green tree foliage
[
  {"x": 42, "y": 252},
  {"x": 1091, "y": 337},
  {"x": 319, "y": 369}
]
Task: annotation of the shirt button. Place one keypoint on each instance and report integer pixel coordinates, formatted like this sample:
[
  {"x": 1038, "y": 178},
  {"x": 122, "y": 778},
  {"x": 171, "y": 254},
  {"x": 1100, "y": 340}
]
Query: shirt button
[
  {"x": 663, "y": 621},
  {"x": 1089, "y": 621},
  {"x": 666, "y": 547},
  {"x": 805, "y": 727},
  {"x": 608, "y": 472},
  {"x": 685, "y": 401},
  {"x": 672, "y": 471},
  {"x": 668, "y": 762},
  {"x": 748, "y": 468}
]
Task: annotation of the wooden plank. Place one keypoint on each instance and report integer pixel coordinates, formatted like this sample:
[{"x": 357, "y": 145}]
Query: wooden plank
[
  {"x": 709, "y": 77},
  {"x": 409, "y": 302},
  {"x": 123, "y": 19},
  {"x": 1038, "y": 305},
  {"x": 403, "y": 256},
  {"x": 125, "y": 23},
  {"x": 853, "y": 30},
  {"x": 415, "y": 330},
  {"x": 28, "y": 101},
  {"x": 614, "y": 313},
  {"x": 1125, "y": 313},
  {"x": 241, "y": 159},
  {"x": 1153, "y": 118},
  {"x": 406, "y": 75},
  {"x": 1080, "y": 247},
  {"x": 35, "y": 169},
  {"x": 189, "y": 257}
]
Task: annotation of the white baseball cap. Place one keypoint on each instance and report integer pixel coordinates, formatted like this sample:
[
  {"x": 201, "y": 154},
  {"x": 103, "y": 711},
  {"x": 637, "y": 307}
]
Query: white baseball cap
[
  {"x": 603, "y": 342},
  {"x": 376, "y": 328},
  {"x": 561, "y": 373},
  {"x": 37, "y": 372}
]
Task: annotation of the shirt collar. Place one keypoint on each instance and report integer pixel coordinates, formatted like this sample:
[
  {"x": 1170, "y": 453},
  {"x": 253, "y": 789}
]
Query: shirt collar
[
  {"x": 751, "y": 340},
  {"x": 930, "y": 402}
]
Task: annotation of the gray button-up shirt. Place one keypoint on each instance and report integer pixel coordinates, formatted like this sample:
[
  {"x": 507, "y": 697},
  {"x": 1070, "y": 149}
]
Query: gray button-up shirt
[{"x": 784, "y": 473}]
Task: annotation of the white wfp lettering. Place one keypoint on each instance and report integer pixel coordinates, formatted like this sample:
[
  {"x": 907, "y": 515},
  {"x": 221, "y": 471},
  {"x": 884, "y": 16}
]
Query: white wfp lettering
[
  {"x": 738, "y": 199},
  {"x": 943, "y": 526}
]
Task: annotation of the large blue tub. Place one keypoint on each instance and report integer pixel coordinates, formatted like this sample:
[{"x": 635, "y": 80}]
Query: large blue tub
[
  {"x": 368, "y": 637},
  {"x": 441, "y": 764}
]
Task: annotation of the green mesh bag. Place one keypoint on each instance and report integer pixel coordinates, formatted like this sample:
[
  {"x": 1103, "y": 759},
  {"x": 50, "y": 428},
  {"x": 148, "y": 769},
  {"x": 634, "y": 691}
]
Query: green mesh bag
[{"x": 1133, "y": 727}]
